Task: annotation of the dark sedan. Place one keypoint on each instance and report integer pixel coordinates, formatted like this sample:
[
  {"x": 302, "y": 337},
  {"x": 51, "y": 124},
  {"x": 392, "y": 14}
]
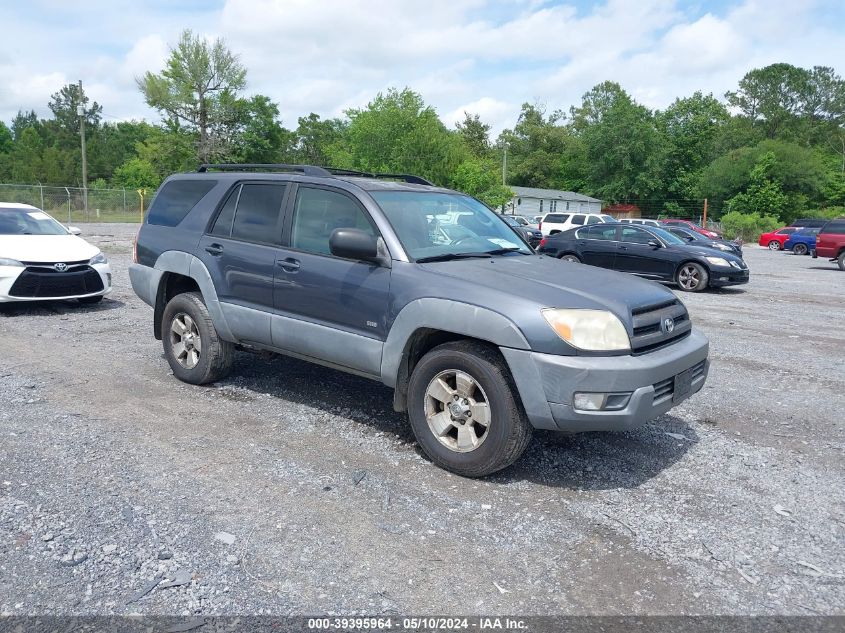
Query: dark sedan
[
  {"x": 531, "y": 235},
  {"x": 648, "y": 252},
  {"x": 697, "y": 239}
]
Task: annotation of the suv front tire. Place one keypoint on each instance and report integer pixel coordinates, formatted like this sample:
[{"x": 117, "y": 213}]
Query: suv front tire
[
  {"x": 464, "y": 411},
  {"x": 196, "y": 354}
]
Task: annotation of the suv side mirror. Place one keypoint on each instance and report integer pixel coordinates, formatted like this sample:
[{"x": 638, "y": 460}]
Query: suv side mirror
[
  {"x": 655, "y": 244},
  {"x": 74, "y": 230},
  {"x": 354, "y": 244}
]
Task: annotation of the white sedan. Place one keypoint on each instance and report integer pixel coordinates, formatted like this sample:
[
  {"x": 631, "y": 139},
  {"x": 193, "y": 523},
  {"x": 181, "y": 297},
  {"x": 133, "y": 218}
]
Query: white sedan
[{"x": 41, "y": 259}]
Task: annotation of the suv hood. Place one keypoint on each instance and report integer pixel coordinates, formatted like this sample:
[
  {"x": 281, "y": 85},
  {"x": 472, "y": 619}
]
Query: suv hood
[
  {"x": 551, "y": 283},
  {"x": 46, "y": 248}
]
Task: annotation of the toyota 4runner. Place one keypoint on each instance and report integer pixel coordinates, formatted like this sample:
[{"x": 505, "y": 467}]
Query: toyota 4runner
[{"x": 421, "y": 288}]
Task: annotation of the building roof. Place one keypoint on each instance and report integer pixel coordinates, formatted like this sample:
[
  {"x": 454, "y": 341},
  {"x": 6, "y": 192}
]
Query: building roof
[{"x": 534, "y": 192}]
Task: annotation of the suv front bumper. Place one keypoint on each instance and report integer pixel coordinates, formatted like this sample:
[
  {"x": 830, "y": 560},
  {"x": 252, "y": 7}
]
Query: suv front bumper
[{"x": 547, "y": 384}]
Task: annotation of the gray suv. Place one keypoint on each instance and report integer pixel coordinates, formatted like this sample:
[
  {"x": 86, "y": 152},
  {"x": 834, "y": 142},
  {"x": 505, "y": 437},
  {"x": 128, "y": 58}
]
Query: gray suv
[{"x": 421, "y": 288}]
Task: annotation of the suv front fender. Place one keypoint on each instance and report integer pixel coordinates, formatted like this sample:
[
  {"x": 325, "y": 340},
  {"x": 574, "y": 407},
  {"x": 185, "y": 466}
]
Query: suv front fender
[{"x": 450, "y": 316}]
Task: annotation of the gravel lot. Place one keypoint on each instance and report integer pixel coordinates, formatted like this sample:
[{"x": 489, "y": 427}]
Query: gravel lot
[{"x": 291, "y": 488}]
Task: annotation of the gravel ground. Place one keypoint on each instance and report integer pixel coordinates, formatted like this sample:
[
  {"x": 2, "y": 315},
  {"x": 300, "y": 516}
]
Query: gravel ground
[{"x": 290, "y": 488}]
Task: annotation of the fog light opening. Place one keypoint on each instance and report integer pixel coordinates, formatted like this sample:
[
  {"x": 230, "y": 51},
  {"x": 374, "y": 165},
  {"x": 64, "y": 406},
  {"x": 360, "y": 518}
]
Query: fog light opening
[{"x": 600, "y": 401}]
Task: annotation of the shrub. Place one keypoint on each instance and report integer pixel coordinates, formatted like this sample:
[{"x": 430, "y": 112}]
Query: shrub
[{"x": 748, "y": 226}]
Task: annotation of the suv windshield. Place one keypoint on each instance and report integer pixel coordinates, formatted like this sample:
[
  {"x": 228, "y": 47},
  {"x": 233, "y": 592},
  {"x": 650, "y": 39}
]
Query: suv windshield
[
  {"x": 438, "y": 225},
  {"x": 28, "y": 222}
]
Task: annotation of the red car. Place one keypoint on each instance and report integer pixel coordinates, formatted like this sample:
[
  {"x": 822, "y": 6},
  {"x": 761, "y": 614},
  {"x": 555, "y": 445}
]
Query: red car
[
  {"x": 775, "y": 239},
  {"x": 692, "y": 226},
  {"x": 830, "y": 242}
]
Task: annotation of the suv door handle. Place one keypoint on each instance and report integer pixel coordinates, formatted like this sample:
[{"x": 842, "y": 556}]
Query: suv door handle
[
  {"x": 214, "y": 249},
  {"x": 290, "y": 264}
]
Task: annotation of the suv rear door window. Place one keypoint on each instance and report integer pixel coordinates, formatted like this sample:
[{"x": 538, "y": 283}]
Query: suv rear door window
[
  {"x": 834, "y": 226},
  {"x": 175, "y": 199},
  {"x": 257, "y": 215},
  {"x": 318, "y": 212},
  {"x": 556, "y": 218},
  {"x": 578, "y": 219}
]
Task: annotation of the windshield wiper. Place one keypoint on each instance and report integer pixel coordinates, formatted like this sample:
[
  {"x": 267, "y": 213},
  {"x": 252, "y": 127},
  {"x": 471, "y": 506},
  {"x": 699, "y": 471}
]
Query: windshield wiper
[
  {"x": 447, "y": 256},
  {"x": 502, "y": 251}
]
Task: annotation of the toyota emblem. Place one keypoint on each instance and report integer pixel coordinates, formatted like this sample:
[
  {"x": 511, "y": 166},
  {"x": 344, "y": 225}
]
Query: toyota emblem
[
  {"x": 60, "y": 267},
  {"x": 668, "y": 325}
]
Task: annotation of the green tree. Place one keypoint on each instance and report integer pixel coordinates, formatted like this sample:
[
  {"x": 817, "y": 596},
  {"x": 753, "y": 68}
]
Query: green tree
[
  {"x": 397, "y": 132},
  {"x": 22, "y": 121},
  {"x": 26, "y": 157},
  {"x": 475, "y": 135},
  {"x": 623, "y": 148},
  {"x": 480, "y": 179},
  {"x": 64, "y": 105},
  {"x": 314, "y": 137},
  {"x": 137, "y": 173},
  {"x": 197, "y": 91},
  {"x": 262, "y": 139},
  {"x": 764, "y": 195}
]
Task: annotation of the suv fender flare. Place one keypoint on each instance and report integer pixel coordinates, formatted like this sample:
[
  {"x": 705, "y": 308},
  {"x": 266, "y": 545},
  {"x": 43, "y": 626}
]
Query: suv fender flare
[
  {"x": 190, "y": 266},
  {"x": 449, "y": 316}
]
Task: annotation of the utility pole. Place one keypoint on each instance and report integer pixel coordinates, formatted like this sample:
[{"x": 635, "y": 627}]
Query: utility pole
[
  {"x": 704, "y": 221},
  {"x": 505, "y": 164},
  {"x": 80, "y": 110}
]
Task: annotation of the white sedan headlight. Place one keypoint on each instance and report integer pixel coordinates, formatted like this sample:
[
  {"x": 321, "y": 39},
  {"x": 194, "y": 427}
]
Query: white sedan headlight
[
  {"x": 589, "y": 330},
  {"x": 99, "y": 258},
  {"x": 718, "y": 261},
  {"x": 10, "y": 262}
]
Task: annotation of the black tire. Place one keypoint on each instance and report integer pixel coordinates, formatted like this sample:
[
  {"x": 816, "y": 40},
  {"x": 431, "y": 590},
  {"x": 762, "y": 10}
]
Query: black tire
[
  {"x": 774, "y": 245},
  {"x": 700, "y": 273},
  {"x": 841, "y": 260},
  {"x": 570, "y": 257},
  {"x": 90, "y": 300},
  {"x": 799, "y": 249},
  {"x": 215, "y": 356},
  {"x": 508, "y": 432}
]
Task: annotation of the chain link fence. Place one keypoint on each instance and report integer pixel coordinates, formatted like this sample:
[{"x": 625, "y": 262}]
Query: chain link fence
[{"x": 67, "y": 204}]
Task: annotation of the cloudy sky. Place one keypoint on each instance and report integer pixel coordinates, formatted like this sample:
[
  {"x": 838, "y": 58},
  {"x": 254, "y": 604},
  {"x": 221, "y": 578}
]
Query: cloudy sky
[{"x": 482, "y": 56}]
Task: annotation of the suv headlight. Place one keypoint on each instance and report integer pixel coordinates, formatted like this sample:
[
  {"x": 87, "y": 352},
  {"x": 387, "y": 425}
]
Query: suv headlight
[
  {"x": 589, "y": 330},
  {"x": 99, "y": 258},
  {"x": 718, "y": 261},
  {"x": 10, "y": 262}
]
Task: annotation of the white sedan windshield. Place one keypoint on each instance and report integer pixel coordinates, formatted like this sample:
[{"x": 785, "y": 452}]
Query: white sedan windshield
[{"x": 28, "y": 222}]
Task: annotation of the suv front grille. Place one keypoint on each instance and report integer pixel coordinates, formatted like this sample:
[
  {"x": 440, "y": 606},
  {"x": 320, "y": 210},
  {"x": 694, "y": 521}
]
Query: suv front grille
[
  {"x": 43, "y": 282},
  {"x": 649, "y": 330}
]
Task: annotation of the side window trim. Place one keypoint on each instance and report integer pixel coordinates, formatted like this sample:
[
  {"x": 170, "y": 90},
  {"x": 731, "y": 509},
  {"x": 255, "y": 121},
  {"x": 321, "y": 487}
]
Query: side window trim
[{"x": 220, "y": 205}]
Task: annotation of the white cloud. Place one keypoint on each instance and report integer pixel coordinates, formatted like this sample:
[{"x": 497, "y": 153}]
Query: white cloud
[{"x": 482, "y": 56}]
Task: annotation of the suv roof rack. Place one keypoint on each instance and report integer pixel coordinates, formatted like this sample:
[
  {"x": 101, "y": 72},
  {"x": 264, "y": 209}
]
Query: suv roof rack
[
  {"x": 313, "y": 170},
  {"x": 409, "y": 178},
  {"x": 308, "y": 170}
]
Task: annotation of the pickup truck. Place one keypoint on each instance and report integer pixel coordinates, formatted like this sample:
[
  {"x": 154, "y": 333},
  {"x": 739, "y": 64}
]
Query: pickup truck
[{"x": 421, "y": 288}]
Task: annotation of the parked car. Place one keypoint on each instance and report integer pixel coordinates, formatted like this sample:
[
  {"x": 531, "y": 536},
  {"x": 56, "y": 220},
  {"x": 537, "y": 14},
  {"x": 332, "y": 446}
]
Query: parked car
[
  {"x": 830, "y": 242},
  {"x": 648, "y": 252},
  {"x": 480, "y": 338},
  {"x": 774, "y": 240},
  {"x": 697, "y": 239},
  {"x": 41, "y": 259},
  {"x": 809, "y": 223},
  {"x": 558, "y": 222},
  {"x": 530, "y": 235},
  {"x": 689, "y": 224},
  {"x": 641, "y": 221},
  {"x": 801, "y": 242}
]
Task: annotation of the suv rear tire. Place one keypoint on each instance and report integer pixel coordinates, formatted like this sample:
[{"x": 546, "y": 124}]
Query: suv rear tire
[
  {"x": 196, "y": 354},
  {"x": 464, "y": 410}
]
